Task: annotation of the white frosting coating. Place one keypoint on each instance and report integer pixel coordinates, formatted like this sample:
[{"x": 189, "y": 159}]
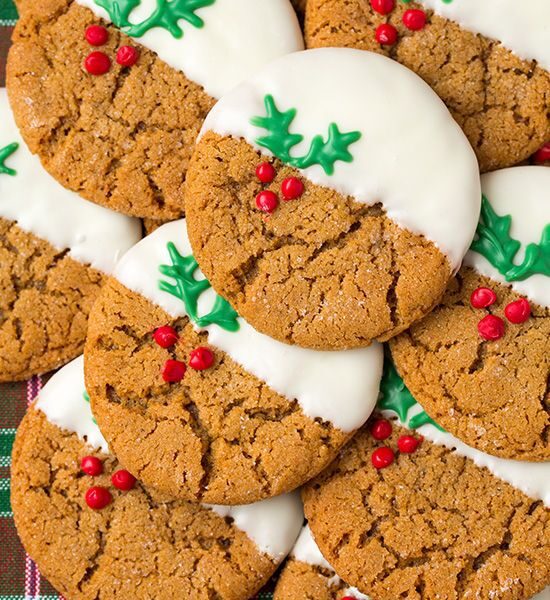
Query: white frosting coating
[
  {"x": 522, "y": 27},
  {"x": 523, "y": 193},
  {"x": 237, "y": 38},
  {"x": 544, "y": 595},
  {"x": 272, "y": 524},
  {"x": 336, "y": 386},
  {"x": 412, "y": 157},
  {"x": 39, "y": 205},
  {"x": 62, "y": 401}
]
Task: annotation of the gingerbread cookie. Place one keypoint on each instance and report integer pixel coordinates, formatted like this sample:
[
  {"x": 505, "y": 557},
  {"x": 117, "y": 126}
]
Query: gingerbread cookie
[
  {"x": 111, "y": 94},
  {"x": 55, "y": 249},
  {"x": 95, "y": 532},
  {"x": 489, "y": 64},
  {"x": 480, "y": 362},
  {"x": 331, "y": 240},
  {"x": 409, "y": 511},
  {"x": 197, "y": 403}
]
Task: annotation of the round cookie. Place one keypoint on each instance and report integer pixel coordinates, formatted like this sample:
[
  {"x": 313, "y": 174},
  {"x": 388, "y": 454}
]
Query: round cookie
[
  {"x": 480, "y": 362},
  {"x": 238, "y": 416},
  {"x": 55, "y": 250},
  {"x": 489, "y": 64},
  {"x": 369, "y": 245},
  {"x": 443, "y": 520},
  {"x": 139, "y": 545},
  {"x": 123, "y": 138}
]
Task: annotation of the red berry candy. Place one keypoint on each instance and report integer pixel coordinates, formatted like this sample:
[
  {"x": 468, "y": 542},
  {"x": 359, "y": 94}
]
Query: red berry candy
[
  {"x": 386, "y": 34},
  {"x": 165, "y": 336},
  {"x": 491, "y": 328},
  {"x": 91, "y": 465},
  {"x": 381, "y": 429},
  {"x": 173, "y": 371},
  {"x": 96, "y": 35},
  {"x": 383, "y": 7},
  {"x": 201, "y": 358},
  {"x": 98, "y": 497},
  {"x": 127, "y": 56},
  {"x": 542, "y": 154},
  {"x": 407, "y": 444},
  {"x": 483, "y": 297},
  {"x": 267, "y": 201},
  {"x": 414, "y": 19},
  {"x": 382, "y": 457},
  {"x": 292, "y": 188},
  {"x": 123, "y": 480},
  {"x": 97, "y": 63},
  {"x": 265, "y": 172},
  {"x": 518, "y": 311}
]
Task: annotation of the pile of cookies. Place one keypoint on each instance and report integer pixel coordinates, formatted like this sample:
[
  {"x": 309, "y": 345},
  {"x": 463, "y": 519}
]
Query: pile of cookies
[{"x": 333, "y": 314}]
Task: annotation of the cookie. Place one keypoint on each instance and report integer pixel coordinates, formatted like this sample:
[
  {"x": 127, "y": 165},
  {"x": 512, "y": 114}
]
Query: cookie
[
  {"x": 489, "y": 65},
  {"x": 343, "y": 237},
  {"x": 113, "y": 112},
  {"x": 197, "y": 403},
  {"x": 480, "y": 362},
  {"x": 55, "y": 252},
  {"x": 409, "y": 511},
  {"x": 72, "y": 501}
]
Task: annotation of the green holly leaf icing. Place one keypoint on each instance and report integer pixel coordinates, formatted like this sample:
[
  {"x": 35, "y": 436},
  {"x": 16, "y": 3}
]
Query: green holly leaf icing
[
  {"x": 280, "y": 141},
  {"x": 86, "y": 397},
  {"x": 188, "y": 290},
  {"x": 5, "y": 153},
  {"x": 167, "y": 15},
  {"x": 494, "y": 242}
]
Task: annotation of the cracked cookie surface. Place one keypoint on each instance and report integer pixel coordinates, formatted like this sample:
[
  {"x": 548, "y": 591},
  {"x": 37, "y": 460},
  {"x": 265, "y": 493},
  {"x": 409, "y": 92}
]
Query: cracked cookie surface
[
  {"x": 300, "y": 581},
  {"x": 494, "y": 395},
  {"x": 430, "y": 525}
]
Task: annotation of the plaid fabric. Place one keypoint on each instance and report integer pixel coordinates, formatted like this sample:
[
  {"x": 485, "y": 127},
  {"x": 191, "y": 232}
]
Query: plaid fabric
[{"x": 20, "y": 579}]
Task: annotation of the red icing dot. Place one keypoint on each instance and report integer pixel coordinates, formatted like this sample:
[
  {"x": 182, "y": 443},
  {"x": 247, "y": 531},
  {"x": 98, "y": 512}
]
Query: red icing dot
[
  {"x": 518, "y": 311},
  {"x": 491, "y": 328},
  {"x": 123, "y": 480},
  {"x": 96, "y": 35},
  {"x": 98, "y": 497},
  {"x": 482, "y": 297},
  {"x": 348, "y": 598},
  {"x": 407, "y": 444},
  {"x": 97, "y": 63},
  {"x": 382, "y": 6},
  {"x": 165, "y": 336},
  {"x": 381, "y": 429},
  {"x": 267, "y": 201},
  {"x": 382, "y": 457},
  {"x": 542, "y": 154},
  {"x": 127, "y": 56},
  {"x": 292, "y": 188},
  {"x": 201, "y": 359},
  {"x": 91, "y": 465},
  {"x": 386, "y": 34},
  {"x": 265, "y": 172},
  {"x": 173, "y": 371},
  {"x": 414, "y": 19}
]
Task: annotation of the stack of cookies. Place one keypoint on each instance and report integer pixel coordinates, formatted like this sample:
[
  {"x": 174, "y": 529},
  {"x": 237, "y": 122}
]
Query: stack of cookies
[{"x": 332, "y": 313}]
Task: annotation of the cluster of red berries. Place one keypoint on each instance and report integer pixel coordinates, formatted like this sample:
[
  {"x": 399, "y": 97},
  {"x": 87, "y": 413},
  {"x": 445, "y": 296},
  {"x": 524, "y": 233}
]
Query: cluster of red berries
[
  {"x": 97, "y": 62},
  {"x": 542, "y": 155},
  {"x": 383, "y": 457},
  {"x": 267, "y": 200},
  {"x": 492, "y": 327},
  {"x": 98, "y": 497},
  {"x": 386, "y": 34},
  {"x": 200, "y": 358}
]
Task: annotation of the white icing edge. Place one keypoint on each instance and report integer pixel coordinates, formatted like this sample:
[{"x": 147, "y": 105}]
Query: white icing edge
[
  {"x": 39, "y": 205},
  {"x": 238, "y": 37},
  {"x": 337, "y": 386},
  {"x": 412, "y": 156},
  {"x": 523, "y": 193}
]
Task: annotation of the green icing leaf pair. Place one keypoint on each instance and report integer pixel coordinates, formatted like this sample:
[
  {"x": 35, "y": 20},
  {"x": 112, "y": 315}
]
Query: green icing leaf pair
[
  {"x": 280, "y": 141},
  {"x": 5, "y": 153},
  {"x": 167, "y": 15},
  {"x": 86, "y": 397},
  {"x": 494, "y": 242},
  {"x": 188, "y": 290}
]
